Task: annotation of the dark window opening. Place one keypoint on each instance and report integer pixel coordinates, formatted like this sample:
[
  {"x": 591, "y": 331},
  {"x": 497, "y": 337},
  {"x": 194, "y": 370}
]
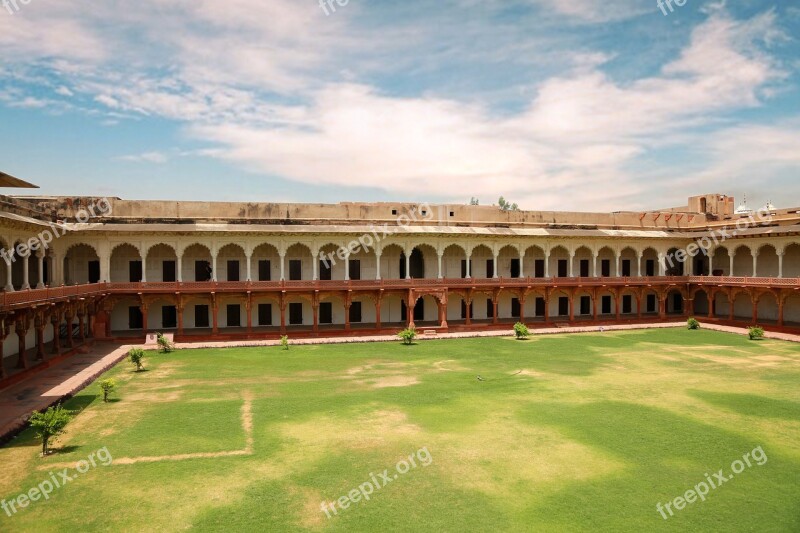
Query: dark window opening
[
  {"x": 563, "y": 267},
  {"x": 94, "y": 271},
  {"x": 233, "y": 270},
  {"x": 201, "y": 316},
  {"x": 627, "y": 304},
  {"x": 355, "y": 312},
  {"x": 355, "y": 269},
  {"x": 135, "y": 271},
  {"x": 295, "y": 270},
  {"x": 626, "y": 268},
  {"x": 539, "y": 268},
  {"x": 234, "y": 314},
  {"x": 605, "y": 266},
  {"x": 169, "y": 317},
  {"x": 606, "y": 303},
  {"x": 326, "y": 313},
  {"x": 586, "y": 305},
  {"x": 202, "y": 271},
  {"x": 264, "y": 314},
  {"x": 264, "y": 270},
  {"x": 515, "y": 270},
  {"x": 489, "y": 308},
  {"x": 563, "y": 306},
  {"x": 168, "y": 271},
  {"x": 540, "y": 306},
  {"x": 516, "y": 309},
  {"x": 135, "y": 318},
  {"x": 325, "y": 270},
  {"x": 296, "y": 314},
  {"x": 584, "y": 268}
]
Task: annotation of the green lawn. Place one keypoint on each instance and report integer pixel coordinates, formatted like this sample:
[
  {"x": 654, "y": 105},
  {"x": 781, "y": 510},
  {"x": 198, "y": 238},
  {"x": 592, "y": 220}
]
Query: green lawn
[{"x": 561, "y": 433}]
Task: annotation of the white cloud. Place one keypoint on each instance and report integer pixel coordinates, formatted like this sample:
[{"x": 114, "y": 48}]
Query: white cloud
[{"x": 146, "y": 157}]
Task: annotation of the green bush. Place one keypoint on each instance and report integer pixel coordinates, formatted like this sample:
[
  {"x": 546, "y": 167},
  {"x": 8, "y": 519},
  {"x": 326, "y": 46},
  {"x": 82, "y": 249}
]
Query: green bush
[
  {"x": 136, "y": 356},
  {"x": 521, "y": 330},
  {"x": 50, "y": 424},
  {"x": 693, "y": 324},
  {"x": 756, "y": 333},
  {"x": 164, "y": 345},
  {"x": 107, "y": 386},
  {"x": 408, "y": 335},
  {"x": 285, "y": 342}
]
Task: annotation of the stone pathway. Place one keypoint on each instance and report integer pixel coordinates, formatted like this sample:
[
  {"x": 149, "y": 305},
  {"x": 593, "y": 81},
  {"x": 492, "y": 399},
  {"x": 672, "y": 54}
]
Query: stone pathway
[{"x": 73, "y": 374}]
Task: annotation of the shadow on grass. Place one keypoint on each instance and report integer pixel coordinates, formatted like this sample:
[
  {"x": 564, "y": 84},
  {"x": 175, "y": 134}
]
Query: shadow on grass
[{"x": 750, "y": 404}]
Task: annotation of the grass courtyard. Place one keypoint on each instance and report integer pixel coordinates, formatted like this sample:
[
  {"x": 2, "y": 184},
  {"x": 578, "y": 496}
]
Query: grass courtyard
[{"x": 560, "y": 433}]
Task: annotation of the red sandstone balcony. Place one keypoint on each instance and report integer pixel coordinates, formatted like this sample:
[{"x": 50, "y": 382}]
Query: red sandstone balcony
[{"x": 10, "y": 300}]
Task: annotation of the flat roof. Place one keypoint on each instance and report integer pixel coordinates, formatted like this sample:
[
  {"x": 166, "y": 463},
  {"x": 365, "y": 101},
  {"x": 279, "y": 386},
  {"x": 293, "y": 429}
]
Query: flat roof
[{"x": 7, "y": 180}]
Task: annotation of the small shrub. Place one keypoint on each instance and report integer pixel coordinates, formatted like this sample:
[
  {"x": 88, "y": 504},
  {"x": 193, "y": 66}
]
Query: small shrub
[
  {"x": 693, "y": 323},
  {"x": 285, "y": 342},
  {"x": 49, "y": 424},
  {"x": 164, "y": 345},
  {"x": 756, "y": 333},
  {"x": 521, "y": 330},
  {"x": 107, "y": 386},
  {"x": 408, "y": 335},
  {"x": 136, "y": 356}
]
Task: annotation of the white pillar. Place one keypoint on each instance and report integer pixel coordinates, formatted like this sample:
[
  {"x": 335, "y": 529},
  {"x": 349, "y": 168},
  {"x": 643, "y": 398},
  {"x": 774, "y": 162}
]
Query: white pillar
[
  {"x": 144, "y": 266},
  {"x": 571, "y": 263},
  {"x": 618, "y": 260},
  {"x": 731, "y": 255},
  {"x": 594, "y": 266},
  {"x": 662, "y": 265},
  {"x": 178, "y": 269},
  {"x": 9, "y": 285},
  {"x": 408, "y": 264},
  {"x": 521, "y": 265},
  {"x": 249, "y": 269},
  {"x": 639, "y": 266},
  {"x": 547, "y": 264},
  {"x": 213, "y": 265},
  {"x": 283, "y": 266},
  {"x": 755, "y": 264},
  {"x": 347, "y": 266},
  {"x": 469, "y": 259},
  {"x": 780, "y": 264},
  {"x": 496, "y": 264},
  {"x": 378, "y": 265},
  {"x": 439, "y": 255},
  {"x": 710, "y": 265},
  {"x": 40, "y": 257},
  {"x": 25, "y": 283},
  {"x": 315, "y": 259}
]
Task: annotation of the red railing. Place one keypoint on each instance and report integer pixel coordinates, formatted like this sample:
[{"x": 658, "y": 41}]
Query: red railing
[{"x": 34, "y": 296}]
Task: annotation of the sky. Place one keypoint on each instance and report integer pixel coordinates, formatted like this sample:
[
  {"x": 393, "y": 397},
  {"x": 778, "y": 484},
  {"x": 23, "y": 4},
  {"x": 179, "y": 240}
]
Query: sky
[{"x": 556, "y": 105}]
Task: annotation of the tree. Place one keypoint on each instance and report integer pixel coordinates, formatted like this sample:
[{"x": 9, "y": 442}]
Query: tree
[
  {"x": 136, "y": 356},
  {"x": 107, "y": 386},
  {"x": 285, "y": 342},
  {"x": 474, "y": 201},
  {"x": 408, "y": 335},
  {"x": 507, "y": 206},
  {"x": 163, "y": 344},
  {"x": 521, "y": 331},
  {"x": 50, "y": 424}
]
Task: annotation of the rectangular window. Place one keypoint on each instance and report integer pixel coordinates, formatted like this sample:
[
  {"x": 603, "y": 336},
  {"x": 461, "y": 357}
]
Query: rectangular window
[
  {"x": 264, "y": 270},
  {"x": 563, "y": 306},
  {"x": 325, "y": 270},
  {"x": 94, "y": 271},
  {"x": 586, "y": 305},
  {"x": 626, "y": 268},
  {"x": 605, "y": 266},
  {"x": 355, "y": 269},
  {"x": 489, "y": 308},
  {"x": 516, "y": 310},
  {"x": 168, "y": 271},
  {"x": 295, "y": 270},
  {"x": 201, "y": 316},
  {"x": 627, "y": 304},
  {"x": 135, "y": 271},
  {"x": 233, "y": 271},
  {"x": 539, "y": 268},
  {"x": 650, "y": 267},
  {"x": 563, "y": 267},
  {"x": 515, "y": 270},
  {"x": 540, "y": 306},
  {"x": 135, "y": 320},
  {"x": 355, "y": 312},
  {"x": 584, "y": 268},
  {"x": 264, "y": 314},
  {"x": 296, "y": 314},
  {"x": 169, "y": 317},
  {"x": 326, "y": 313},
  {"x": 234, "y": 315},
  {"x": 652, "y": 303},
  {"x": 606, "y": 303},
  {"x": 489, "y": 268},
  {"x": 202, "y": 271}
]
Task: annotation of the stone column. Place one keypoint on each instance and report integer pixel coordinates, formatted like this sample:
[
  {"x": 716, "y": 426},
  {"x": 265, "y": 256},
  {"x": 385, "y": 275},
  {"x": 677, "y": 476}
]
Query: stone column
[
  {"x": 179, "y": 269},
  {"x": 439, "y": 256},
  {"x": 378, "y": 313},
  {"x": 40, "y": 257},
  {"x": 571, "y": 263},
  {"x": 214, "y": 266},
  {"x": 755, "y": 264},
  {"x": 55, "y": 320},
  {"x": 68, "y": 316},
  {"x": 639, "y": 266},
  {"x": 25, "y": 283},
  {"x": 9, "y": 283},
  {"x": 594, "y": 265},
  {"x": 347, "y": 265},
  {"x": 547, "y": 264},
  {"x": 248, "y": 257},
  {"x": 283, "y": 265},
  {"x": 21, "y": 329},
  {"x": 408, "y": 265},
  {"x": 378, "y": 254},
  {"x": 780, "y": 264},
  {"x": 731, "y": 254},
  {"x": 521, "y": 266},
  {"x": 710, "y": 264},
  {"x": 496, "y": 266},
  {"x": 469, "y": 264}
]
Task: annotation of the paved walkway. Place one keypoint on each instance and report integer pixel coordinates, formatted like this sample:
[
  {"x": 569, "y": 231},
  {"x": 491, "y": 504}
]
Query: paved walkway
[{"x": 75, "y": 373}]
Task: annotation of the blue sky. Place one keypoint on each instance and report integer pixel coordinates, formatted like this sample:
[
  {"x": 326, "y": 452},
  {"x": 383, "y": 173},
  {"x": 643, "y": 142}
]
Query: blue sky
[{"x": 569, "y": 105}]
